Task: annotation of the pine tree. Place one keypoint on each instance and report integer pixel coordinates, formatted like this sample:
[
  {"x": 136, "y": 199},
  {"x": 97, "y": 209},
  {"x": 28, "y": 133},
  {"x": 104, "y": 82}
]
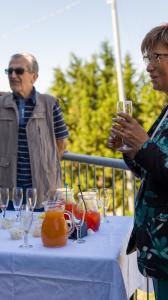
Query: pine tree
[{"x": 88, "y": 93}]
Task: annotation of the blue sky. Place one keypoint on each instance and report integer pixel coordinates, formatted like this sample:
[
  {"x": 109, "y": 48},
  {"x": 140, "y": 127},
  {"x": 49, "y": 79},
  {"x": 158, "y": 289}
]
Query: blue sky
[{"x": 52, "y": 29}]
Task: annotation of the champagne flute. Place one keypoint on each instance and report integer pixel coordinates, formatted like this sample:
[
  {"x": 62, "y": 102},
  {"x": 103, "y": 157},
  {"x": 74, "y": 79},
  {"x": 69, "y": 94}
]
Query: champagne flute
[
  {"x": 26, "y": 222},
  {"x": 126, "y": 107},
  {"x": 4, "y": 199},
  {"x": 78, "y": 213},
  {"x": 106, "y": 197},
  {"x": 31, "y": 198},
  {"x": 17, "y": 197}
]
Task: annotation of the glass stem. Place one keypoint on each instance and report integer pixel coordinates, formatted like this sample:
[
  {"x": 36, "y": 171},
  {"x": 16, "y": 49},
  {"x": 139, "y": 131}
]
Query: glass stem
[
  {"x": 80, "y": 232},
  {"x": 104, "y": 212},
  {"x": 17, "y": 215},
  {"x": 25, "y": 238},
  {"x": 4, "y": 213},
  {"x": 77, "y": 231}
]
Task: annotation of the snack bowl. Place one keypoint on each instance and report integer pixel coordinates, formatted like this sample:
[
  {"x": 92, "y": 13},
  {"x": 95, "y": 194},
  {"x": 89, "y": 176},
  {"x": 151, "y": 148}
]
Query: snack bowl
[
  {"x": 41, "y": 216},
  {"x": 7, "y": 223},
  {"x": 36, "y": 231},
  {"x": 16, "y": 233}
]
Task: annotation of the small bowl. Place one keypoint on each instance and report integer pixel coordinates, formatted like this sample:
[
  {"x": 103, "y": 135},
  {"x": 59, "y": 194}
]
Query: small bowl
[
  {"x": 37, "y": 229},
  {"x": 7, "y": 223},
  {"x": 16, "y": 233}
]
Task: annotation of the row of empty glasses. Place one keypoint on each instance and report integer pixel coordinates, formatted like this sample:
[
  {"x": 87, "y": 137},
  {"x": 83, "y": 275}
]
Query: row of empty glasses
[
  {"x": 17, "y": 199},
  {"x": 24, "y": 213}
]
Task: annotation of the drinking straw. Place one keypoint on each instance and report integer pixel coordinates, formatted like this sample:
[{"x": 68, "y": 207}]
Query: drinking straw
[
  {"x": 66, "y": 189},
  {"x": 82, "y": 197},
  {"x": 99, "y": 193}
]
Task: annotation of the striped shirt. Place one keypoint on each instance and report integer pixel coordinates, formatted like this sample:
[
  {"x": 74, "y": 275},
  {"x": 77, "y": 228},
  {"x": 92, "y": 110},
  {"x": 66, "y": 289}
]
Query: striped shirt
[{"x": 25, "y": 108}]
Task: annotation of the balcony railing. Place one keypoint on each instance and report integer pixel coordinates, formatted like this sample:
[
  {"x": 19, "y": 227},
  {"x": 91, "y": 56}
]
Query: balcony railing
[{"x": 95, "y": 171}]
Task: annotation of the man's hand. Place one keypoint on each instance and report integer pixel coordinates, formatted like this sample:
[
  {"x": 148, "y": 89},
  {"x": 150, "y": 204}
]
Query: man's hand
[{"x": 61, "y": 144}]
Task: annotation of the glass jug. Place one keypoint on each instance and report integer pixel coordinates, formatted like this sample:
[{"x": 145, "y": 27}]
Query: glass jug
[
  {"x": 67, "y": 195},
  {"x": 55, "y": 231},
  {"x": 92, "y": 214}
]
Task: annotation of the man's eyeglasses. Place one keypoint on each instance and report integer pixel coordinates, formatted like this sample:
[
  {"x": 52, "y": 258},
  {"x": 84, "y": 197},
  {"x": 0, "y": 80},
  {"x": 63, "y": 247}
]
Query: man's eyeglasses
[
  {"x": 18, "y": 71},
  {"x": 154, "y": 58}
]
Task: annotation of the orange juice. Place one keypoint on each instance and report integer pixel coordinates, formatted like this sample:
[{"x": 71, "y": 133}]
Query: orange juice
[{"x": 54, "y": 229}]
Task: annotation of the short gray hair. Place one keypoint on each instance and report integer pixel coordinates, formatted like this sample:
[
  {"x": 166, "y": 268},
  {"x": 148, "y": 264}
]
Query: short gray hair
[
  {"x": 32, "y": 62},
  {"x": 156, "y": 35}
]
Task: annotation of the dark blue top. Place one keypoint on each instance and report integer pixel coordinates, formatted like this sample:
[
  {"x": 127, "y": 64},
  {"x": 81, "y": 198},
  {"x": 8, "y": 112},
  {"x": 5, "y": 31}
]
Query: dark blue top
[{"x": 25, "y": 108}]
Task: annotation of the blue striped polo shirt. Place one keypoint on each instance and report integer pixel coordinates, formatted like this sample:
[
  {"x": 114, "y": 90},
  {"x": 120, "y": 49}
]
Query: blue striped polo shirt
[{"x": 25, "y": 108}]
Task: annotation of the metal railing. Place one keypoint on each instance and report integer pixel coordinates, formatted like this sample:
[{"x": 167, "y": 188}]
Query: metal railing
[{"x": 95, "y": 171}]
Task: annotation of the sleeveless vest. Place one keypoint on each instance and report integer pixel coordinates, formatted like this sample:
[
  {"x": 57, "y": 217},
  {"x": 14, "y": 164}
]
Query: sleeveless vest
[{"x": 44, "y": 161}]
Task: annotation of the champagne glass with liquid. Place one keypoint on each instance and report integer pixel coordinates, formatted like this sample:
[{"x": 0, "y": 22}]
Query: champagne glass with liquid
[
  {"x": 4, "y": 200},
  {"x": 17, "y": 197},
  {"x": 31, "y": 198},
  {"x": 125, "y": 107}
]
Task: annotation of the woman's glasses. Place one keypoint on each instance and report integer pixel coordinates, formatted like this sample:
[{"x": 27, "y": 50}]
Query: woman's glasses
[
  {"x": 154, "y": 58},
  {"x": 18, "y": 71}
]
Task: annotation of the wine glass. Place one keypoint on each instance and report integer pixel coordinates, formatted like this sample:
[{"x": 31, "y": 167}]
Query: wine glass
[
  {"x": 4, "y": 200},
  {"x": 78, "y": 213},
  {"x": 106, "y": 197},
  {"x": 126, "y": 107},
  {"x": 26, "y": 222},
  {"x": 31, "y": 198},
  {"x": 17, "y": 197}
]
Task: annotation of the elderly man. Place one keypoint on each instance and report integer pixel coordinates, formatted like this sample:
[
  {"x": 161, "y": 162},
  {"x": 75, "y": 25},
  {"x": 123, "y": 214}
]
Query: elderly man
[{"x": 32, "y": 132}]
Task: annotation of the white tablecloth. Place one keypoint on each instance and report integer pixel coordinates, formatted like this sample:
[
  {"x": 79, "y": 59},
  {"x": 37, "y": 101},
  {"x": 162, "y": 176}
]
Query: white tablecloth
[{"x": 95, "y": 270}]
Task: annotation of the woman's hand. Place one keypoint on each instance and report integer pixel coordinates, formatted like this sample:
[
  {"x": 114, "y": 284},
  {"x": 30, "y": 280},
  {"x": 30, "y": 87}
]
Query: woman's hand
[
  {"x": 114, "y": 141},
  {"x": 128, "y": 129}
]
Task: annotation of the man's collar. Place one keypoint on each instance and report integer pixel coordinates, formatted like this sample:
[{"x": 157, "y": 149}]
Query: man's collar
[{"x": 31, "y": 98}]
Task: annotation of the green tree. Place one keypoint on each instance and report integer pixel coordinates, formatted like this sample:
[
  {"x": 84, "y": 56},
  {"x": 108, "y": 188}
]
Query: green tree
[{"x": 88, "y": 93}]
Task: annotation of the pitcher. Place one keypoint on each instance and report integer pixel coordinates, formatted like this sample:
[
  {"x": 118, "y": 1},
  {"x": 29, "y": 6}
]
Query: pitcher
[
  {"x": 92, "y": 215},
  {"x": 67, "y": 195},
  {"x": 55, "y": 231}
]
